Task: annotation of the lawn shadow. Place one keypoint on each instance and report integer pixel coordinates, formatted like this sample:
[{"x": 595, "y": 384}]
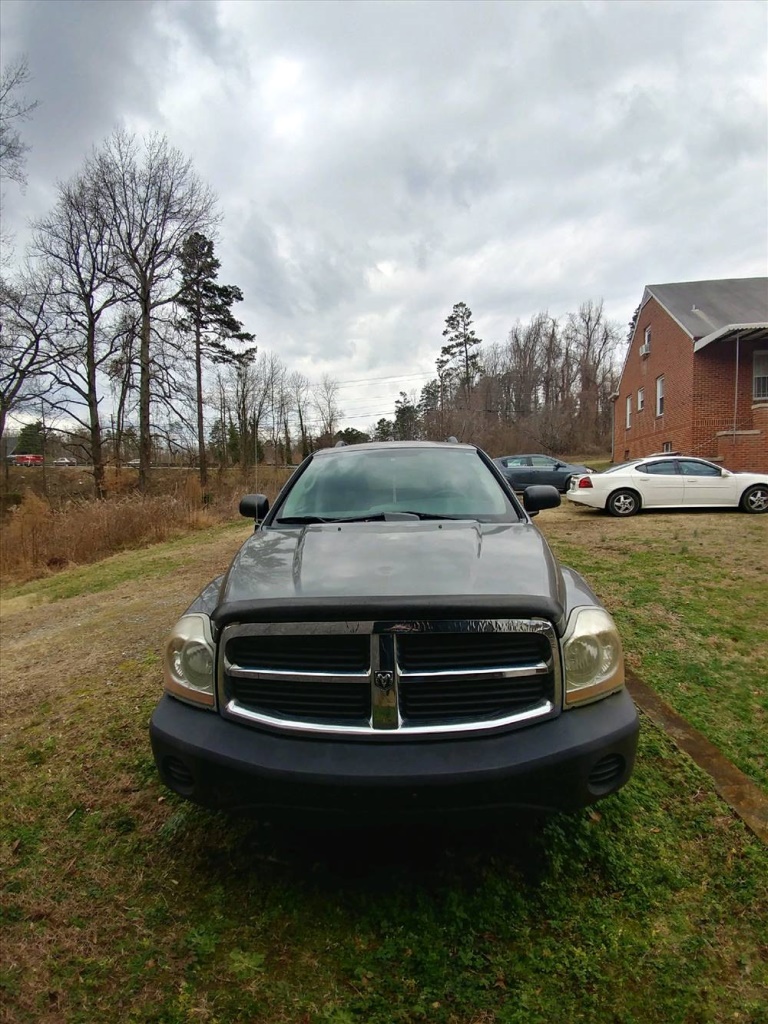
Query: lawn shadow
[{"x": 360, "y": 858}]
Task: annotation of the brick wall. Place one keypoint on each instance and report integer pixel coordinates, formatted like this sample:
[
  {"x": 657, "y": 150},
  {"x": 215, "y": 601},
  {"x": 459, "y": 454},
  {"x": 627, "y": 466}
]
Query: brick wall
[
  {"x": 671, "y": 355},
  {"x": 702, "y": 425},
  {"x": 747, "y": 450}
]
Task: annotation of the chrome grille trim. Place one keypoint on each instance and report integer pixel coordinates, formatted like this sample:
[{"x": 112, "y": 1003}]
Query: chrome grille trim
[
  {"x": 295, "y": 677},
  {"x": 539, "y": 669},
  {"x": 384, "y": 677}
]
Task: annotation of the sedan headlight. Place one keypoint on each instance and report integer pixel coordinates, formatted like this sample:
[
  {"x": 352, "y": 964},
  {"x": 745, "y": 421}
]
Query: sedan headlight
[
  {"x": 594, "y": 661},
  {"x": 188, "y": 665}
]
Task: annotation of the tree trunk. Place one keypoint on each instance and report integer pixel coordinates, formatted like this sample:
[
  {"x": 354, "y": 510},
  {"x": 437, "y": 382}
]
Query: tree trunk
[
  {"x": 145, "y": 438},
  {"x": 200, "y": 424}
]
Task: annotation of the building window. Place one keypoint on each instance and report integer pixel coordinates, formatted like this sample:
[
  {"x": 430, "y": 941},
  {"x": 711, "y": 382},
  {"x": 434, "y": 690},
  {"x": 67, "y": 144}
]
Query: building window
[
  {"x": 760, "y": 377},
  {"x": 640, "y": 399},
  {"x": 629, "y": 412},
  {"x": 659, "y": 396},
  {"x": 645, "y": 348},
  {"x": 667, "y": 446}
]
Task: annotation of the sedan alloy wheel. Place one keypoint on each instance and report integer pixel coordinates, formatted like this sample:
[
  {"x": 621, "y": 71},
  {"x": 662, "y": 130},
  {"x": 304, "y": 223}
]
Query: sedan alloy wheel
[
  {"x": 623, "y": 503},
  {"x": 755, "y": 499}
]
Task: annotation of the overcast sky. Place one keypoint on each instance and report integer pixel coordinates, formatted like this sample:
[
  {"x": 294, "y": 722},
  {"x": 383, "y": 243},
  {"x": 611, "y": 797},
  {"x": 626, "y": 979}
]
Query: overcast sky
[{"x": 377, "y": 162}]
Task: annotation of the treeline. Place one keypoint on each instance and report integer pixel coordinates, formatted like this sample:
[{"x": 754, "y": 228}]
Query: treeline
[
  {"x": 119, "y": 327},
  {"x": 546, "y": 388}
]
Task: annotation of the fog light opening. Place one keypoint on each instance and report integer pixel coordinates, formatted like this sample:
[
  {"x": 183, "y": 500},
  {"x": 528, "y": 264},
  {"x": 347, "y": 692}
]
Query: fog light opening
[
  {"x": 605, "y": 773},
  {"x": 178, "y": 777}
]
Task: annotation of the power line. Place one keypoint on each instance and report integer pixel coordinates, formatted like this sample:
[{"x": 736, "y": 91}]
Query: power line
[{"x": 373, "y": 380}]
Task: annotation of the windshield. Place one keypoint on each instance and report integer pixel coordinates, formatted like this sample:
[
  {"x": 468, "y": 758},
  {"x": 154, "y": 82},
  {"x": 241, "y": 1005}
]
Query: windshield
[{"x": 428, "y": 482}]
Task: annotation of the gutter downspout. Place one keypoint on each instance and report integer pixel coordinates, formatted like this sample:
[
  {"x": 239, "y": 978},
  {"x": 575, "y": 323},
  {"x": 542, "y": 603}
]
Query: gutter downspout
[{"x": 736, "y": 391}]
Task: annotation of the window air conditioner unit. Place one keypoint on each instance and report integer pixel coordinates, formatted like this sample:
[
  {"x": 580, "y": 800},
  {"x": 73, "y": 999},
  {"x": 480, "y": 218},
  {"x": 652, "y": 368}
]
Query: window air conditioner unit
[{"x": 645, "y": 350}]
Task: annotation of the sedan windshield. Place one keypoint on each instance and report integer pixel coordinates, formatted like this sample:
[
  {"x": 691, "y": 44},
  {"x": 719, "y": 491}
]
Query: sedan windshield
[{"x": 423, "y": 483}]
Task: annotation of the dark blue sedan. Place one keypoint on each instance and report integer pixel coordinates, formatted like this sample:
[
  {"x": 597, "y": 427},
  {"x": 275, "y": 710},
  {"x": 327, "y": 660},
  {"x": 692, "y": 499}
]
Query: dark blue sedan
[{"x": 524, "y": 470}]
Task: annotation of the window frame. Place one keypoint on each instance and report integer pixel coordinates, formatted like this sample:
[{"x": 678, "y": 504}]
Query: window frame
[
  {"x": 660, "y": 395},
  {"x": 628, "y": 414},
  {"x": 763, "y": 357},
  {"x": 640, "y": 399}
]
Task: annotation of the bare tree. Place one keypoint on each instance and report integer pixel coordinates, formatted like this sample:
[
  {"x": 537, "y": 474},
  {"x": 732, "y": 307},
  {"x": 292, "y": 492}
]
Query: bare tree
[
  {"x": 328, "y": 411},
  {"x": 594, "y": 340},
  {"x": 122, "y": 376},
  {"x": 251, "y": 386},
  {"x": 280, "y": 407},
  {"x": 25, "y": 325},
  {"x": 300, "y": 390},
  {"x": 14, "y": 108},
  {"x": 152, "y": 200},
  {"x": 72, "y": 243}
]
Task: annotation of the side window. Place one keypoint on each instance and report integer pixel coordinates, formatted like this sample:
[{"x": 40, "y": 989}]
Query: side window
[
  {"x": 542, "y": 461},
  {"x": 628, "y": 423},
  {"x": 640, "y": 399},
  {"x": 659, "y": 396},
  {"x": 760, "y": 376},
  {"x": 517, "y": 460},
  {"x": 667, "y": 467},
  {"x": 691, "y": 468}
]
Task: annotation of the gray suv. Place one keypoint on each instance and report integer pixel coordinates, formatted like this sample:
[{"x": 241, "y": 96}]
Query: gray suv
[{"x": 395, "y": 640}]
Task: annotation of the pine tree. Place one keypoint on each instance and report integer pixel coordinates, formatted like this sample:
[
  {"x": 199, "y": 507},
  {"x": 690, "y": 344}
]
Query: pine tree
[
  {"x": 30, "y": 440},
  {"x": 207, "y": 316},
  {"x": 459, "y": 352}
]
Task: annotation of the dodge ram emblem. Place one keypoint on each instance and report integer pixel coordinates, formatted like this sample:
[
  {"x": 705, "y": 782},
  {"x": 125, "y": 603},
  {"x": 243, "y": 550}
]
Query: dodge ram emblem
[{"x": 384, "y": 681}]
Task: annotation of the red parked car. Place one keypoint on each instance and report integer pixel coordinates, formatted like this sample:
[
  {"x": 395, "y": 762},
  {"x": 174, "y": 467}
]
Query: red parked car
[{"x": 28, "y": 460}]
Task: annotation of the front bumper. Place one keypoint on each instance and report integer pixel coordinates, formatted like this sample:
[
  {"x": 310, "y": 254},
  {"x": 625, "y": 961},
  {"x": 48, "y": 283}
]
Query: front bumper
[{"x": 560, "y": 764}]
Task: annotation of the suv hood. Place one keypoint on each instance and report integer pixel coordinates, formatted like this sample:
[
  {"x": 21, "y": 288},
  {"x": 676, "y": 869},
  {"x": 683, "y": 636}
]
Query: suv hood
[{"x": 393, "y": 569}]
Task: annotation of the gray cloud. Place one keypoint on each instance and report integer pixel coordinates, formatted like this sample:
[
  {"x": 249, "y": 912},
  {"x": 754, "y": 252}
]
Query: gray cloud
[{"x": 378, "y": 162}]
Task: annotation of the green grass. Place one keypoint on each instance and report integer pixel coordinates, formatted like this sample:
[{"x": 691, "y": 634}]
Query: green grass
[
  {"x": 121, "y": 902},
  {"x": 160, "y": 912},
  {"x": 690, "y": 598}
]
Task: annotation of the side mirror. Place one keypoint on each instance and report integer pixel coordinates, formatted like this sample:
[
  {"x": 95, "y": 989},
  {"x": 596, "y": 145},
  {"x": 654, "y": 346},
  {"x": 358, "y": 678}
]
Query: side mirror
[
  {"x": 254, "y": 506},
  {"x": 540, "y": 496}
]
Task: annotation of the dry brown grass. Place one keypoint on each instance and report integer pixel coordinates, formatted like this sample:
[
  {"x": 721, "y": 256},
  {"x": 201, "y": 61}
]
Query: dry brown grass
[{"x": 43, "y": 534}]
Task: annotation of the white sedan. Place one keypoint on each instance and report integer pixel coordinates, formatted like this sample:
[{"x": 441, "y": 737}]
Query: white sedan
[{"x": 670, "y": 482}]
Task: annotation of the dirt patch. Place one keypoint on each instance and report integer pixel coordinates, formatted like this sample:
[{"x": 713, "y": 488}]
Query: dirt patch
[
  {"x": 52, "y": 649},
  {"x": 20, "y": 604}
]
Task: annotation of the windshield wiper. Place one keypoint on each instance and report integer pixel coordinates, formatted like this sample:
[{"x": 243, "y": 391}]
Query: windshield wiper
[
  {"x": 392, "y": 516},
  {"x": 302, "y": 520},
  {"x": 308, "y": 520},
  {"x": 431, "y": 515}
]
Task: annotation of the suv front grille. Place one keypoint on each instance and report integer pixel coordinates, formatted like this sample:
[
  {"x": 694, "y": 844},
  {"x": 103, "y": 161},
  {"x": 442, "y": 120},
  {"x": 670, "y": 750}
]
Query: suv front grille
[
  {"x": 332, "y": 652},
  {"x": 431, "y": 652},
  {"x": 469, "y": 699},
  {"x": 319, "y": 701},
  {"x": 405, "y": 677}
]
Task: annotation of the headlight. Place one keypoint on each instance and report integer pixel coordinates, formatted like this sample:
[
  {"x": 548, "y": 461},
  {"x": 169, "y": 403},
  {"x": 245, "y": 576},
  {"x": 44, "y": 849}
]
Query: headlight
[
  {"x": 188, "y": 665},
  {"x": 594, "y": 661}
]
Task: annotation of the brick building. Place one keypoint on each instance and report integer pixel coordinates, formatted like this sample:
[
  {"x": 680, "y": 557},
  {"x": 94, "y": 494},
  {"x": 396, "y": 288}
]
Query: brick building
[{"x": 695, "y": 378}]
